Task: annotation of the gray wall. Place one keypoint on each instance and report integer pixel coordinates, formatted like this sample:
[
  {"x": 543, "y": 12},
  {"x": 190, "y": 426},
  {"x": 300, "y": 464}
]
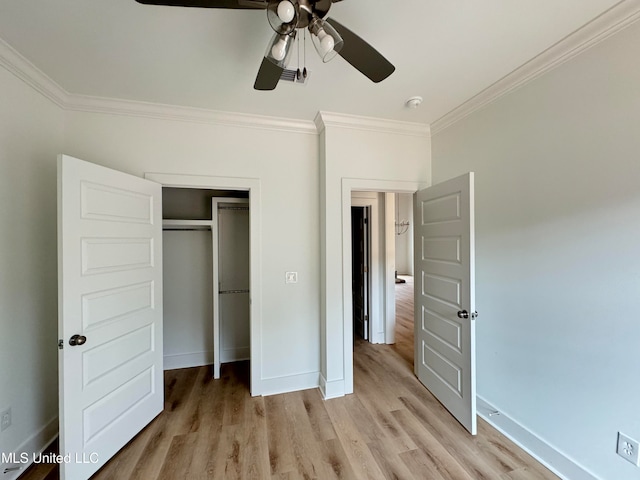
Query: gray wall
[
  {"x": 31, "y": 135},
  {"x": 558, "y": 250}
]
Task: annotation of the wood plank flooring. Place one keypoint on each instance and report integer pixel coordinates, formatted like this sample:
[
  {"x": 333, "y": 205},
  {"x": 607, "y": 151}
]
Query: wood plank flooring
[{"x": 391, "y": 428}]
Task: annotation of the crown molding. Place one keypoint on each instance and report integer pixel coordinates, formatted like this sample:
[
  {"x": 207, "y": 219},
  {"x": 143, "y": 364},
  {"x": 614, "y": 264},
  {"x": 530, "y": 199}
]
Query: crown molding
[
  {"x": 82, "y": 103},
  {"x": 26, "y": 71},
  {"x": 370, "y": 124},
  {"x": 18, "y": 65},
  {"x": 612, "y": 21}
]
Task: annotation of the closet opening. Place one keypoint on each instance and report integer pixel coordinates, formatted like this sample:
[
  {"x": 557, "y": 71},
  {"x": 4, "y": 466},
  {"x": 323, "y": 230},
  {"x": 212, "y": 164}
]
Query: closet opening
[{"x": 206, "y": 278}]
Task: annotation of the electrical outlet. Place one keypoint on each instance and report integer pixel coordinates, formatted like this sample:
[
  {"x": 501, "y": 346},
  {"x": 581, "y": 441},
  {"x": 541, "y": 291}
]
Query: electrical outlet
[
  {"x": 5, "y": 419},
  {"x": 628, "y": 449}
]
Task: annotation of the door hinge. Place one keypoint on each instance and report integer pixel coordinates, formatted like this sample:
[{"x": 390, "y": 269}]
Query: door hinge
[
  {"x": 366, "y": 269},
  {"x": 60, "y": 344}
]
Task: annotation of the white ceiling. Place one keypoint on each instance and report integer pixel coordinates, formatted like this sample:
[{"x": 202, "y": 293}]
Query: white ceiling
[{"x": 444, "y": 51}]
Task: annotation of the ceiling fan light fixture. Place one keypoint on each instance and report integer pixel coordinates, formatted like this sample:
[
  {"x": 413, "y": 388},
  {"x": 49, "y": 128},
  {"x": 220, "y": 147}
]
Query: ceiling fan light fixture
[
  {"x": 286, "y": 11},
  {"x": 279, "y": 49},
  {"x": 326, "y": 39},
  {"x": 283, "y": 15}
]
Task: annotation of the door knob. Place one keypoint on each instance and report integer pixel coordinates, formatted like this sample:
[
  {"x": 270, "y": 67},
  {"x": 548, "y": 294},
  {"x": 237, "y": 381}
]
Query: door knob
[
  {"x": 465, "y": 314},
  {"x": 77, "y": 340}
]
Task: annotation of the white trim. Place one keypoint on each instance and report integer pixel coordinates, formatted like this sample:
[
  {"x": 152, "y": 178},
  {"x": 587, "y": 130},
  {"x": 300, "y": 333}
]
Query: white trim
[
  {"x": 552, "y": 458},
  {"x": 369, "y": 124},
  {"x": 188, "y": 360},
  {"x": 18, "y": 65},
  {"x": 390, "y": 268},
  {"x": 332, "y": 389},
  {"x": 26, "y": 71},
  {"x": 83, "y": 103},
  {"x": 252, "y": 185},
  {"x": 35, "y": 444},
  {"x": 290, "y": 383},
  {"x": 348, "y": 185},
  {"x": 612, "y": 21}
]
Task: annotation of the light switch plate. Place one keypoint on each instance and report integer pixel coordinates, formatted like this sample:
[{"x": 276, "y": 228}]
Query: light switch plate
[
  {"x": 5, "y": 419},
  {"x": 291, "y": 277}
]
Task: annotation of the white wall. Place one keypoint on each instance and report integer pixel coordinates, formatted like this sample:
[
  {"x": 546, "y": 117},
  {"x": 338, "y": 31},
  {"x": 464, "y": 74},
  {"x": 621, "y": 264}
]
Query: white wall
[
  {"x": 290, "y": 227},
  {"x": 371, "y": 152},
  {"x": 187, "y": 298},
  {"x": 558, "y": 250},
  {"x": 404, "y": 242},
  {"x": 31, "y": 134}
]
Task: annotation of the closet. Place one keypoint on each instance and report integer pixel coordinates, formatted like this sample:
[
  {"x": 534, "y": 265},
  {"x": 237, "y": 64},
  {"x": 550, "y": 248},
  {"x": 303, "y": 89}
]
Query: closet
[{"x": 206, "y": 277}]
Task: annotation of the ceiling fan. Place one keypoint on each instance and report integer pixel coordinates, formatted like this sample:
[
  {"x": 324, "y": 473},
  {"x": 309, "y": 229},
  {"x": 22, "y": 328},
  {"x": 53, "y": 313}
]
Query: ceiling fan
[{"x": 286, "y": 17}]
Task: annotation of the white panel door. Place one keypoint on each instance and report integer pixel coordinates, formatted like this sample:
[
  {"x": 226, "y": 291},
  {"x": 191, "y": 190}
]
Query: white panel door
[
  {"x": 445, "y": 295},
  {"x": 110, "y": 311}
]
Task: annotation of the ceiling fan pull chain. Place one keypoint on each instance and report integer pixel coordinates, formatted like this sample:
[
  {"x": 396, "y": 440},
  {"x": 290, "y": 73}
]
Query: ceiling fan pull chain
[
  {"x": 304, "y": 53},
  {"x": 298, "y": 71}
]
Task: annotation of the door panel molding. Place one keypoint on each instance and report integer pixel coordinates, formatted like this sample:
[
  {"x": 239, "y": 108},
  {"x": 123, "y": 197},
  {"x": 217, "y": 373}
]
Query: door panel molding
[
  {"x": 445, "y": 286},
  {"x": 109, "y": 273}
]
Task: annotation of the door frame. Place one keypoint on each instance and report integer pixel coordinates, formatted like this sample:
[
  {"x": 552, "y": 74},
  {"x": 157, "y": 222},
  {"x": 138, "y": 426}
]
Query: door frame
[
  {"x": 388, "y": 272},
  {"x": 251, "y": 185}
]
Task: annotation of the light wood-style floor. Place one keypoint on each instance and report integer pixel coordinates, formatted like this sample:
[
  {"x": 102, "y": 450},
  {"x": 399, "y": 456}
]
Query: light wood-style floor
[{"x": 391, "y": 428}]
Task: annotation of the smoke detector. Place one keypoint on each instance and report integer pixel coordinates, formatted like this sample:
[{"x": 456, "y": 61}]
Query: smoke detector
[{"x": 413, "y": 102}]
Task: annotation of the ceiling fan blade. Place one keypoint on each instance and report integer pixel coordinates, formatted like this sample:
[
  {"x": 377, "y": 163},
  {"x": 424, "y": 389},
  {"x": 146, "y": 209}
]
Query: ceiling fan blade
[
  {"x": 361, "y": 55},
  {"x": 268, "y": 75},
  {"x": 238, "y": 4}
]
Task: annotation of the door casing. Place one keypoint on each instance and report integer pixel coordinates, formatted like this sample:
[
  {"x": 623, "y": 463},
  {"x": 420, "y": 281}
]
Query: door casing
[
  {"x": 251, "y": 185},
  {"x": 348, "y": 186}
]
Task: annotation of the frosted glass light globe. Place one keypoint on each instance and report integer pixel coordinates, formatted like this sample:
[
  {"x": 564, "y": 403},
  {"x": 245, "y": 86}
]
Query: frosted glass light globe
[
  {"x": 279, "y": 51},
  {"x": 286, "y": 11},
  {"x": 326, "y": 42}
]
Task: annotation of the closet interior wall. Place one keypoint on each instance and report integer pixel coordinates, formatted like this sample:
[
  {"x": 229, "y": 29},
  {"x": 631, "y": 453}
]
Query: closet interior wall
[{"x": 188, "y": 276}]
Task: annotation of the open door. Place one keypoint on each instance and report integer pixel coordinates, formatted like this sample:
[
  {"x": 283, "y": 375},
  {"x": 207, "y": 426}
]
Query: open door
[
  {"x": 110, "y": 311},
  {"x": 360, "y": 270},
  {"x": 445, "y": 295}
]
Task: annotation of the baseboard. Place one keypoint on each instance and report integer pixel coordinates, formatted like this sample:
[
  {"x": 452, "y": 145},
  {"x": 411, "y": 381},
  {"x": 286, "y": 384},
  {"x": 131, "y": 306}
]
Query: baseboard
[
  {"x": 235, "y": 354},
  {"x": 546, "y": 454},
  {"x": 290, "y": 383},
  {"x": 331, "y": 389},
  {"x": 187, "y": 360},
  {"x": 34, "y": 445}
]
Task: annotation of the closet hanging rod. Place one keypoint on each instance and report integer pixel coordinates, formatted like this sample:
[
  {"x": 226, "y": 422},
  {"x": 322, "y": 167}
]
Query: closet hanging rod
[
  {"x": 228, "y": 207},
  {"x": 186, "y": 229}
]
